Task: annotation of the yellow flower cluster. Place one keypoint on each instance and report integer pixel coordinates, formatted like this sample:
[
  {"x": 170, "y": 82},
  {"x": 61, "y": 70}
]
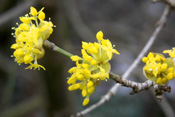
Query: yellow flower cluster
[
  {"x": 92, "y": 67},
  {"x": 30, "y": 35},
  {"x": 158, "y": 68}
]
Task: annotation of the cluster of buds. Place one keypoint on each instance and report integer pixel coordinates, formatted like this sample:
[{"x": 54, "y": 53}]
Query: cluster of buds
[
  {"x": 158, "y": 68},
  {"x": 92, "y": 67},
  {"x": 30, "y": 35}
]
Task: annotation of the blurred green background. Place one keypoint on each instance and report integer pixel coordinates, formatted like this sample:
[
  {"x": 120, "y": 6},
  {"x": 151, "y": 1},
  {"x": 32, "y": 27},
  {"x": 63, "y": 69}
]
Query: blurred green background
[{"x": 127, "y": 23}]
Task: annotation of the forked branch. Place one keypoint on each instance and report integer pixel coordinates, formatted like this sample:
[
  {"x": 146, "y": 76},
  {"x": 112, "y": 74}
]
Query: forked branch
[{"x": 115, "y": 88}]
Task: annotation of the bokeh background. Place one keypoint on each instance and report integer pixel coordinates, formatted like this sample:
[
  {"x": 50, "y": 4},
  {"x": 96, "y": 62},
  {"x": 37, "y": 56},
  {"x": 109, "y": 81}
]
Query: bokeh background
[{"x": 127, "y": 23}]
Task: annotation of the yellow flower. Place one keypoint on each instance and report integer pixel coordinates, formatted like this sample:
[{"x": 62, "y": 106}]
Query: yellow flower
[
  {"x": 158, "y": 68},
  {"x": 99, "y": 35},
  {"x": 33, "y": 11},
  {"x": 92, "y": 67},
  {"x": 30, "y": 35}
]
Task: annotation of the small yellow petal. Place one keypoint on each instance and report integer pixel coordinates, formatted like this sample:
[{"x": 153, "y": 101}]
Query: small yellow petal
[
  {"x": 93, "y": 62},
  {"x": 85, "y": 65},
  {"x": 72, "y": 87},
  {"x": 41, "y": 15},
  {"x": 25, "y": 19},
  {"x": 19, "y": 52},
  {"x": 91, "y": 90},
  {"x": 77, "y": 86},
  {"x": 28, "y": 59},
  {"x": 167, "y": 51},
  {"x": 74, "y": 58},
  {"x": 84, "y": 92},
  {"x": 86, "y": 101},
  {"x": 24, "y": 26},
  {"x": 170, "y": 76},
  {"x": 159, "y": 81},
  {"x": 99, "y": 35},
  {"x": 150, "y": 55},
  {"x": 115, "y": 51},
  {"x": 90, "y": 84},
  {"x": 144, "y": 59},
  {"x": 72, "y": 70},
  {"x": 170, "y": 70},
  {"x": 71, "y": 80},
  {"x": 85, "y": 45},
  {"x": 33, "y": 11},
  {"x": 15, "y": 46},
  {"x": 164, "y": 66}
]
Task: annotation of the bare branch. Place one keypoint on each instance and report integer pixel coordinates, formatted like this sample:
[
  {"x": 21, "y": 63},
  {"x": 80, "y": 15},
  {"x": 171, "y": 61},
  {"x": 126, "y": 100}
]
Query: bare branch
[
  {"x": 138, "y": 87},
  {"x": 169, "y": 2},
  {"x": 15, "y": 11},
  {"x": 76, "y": 21},
  {"x": 115, "y": 88}
]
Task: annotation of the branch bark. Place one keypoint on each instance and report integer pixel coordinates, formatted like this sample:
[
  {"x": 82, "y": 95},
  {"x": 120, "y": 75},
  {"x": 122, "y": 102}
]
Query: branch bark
[{"x": 138, "y": 87}]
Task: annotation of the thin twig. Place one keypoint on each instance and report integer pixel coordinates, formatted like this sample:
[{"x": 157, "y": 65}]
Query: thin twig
[
  {"x": 76, "y": 21},
  {"x": 169, "y": 2},
  {"x": 15, "y": 11},
  {"x": 55, "y": 48},
  {"x": 115, "y": 88}
]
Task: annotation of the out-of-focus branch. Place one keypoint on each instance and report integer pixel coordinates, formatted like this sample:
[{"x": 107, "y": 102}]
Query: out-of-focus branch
[
  {"x": 115, "y": 88},
  {"x": 9, "y": 88},
  {"x": 15, "y": 11},
  {"x": 169, "y": 2},
  {"x": 25, "y": 107},
  {"x": 55, "y": 48},
  {"x": 76, "y": 21}
]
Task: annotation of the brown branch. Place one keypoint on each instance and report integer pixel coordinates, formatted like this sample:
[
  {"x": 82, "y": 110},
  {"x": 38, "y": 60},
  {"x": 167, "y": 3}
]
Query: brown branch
[
  {"x": 115, "y": 88},
  {"x": 138, "y": 87}
]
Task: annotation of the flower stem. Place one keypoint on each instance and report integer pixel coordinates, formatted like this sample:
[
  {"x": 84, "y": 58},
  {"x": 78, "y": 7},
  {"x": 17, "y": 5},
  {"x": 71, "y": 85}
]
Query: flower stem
[{"x": 55, "y": 48}]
